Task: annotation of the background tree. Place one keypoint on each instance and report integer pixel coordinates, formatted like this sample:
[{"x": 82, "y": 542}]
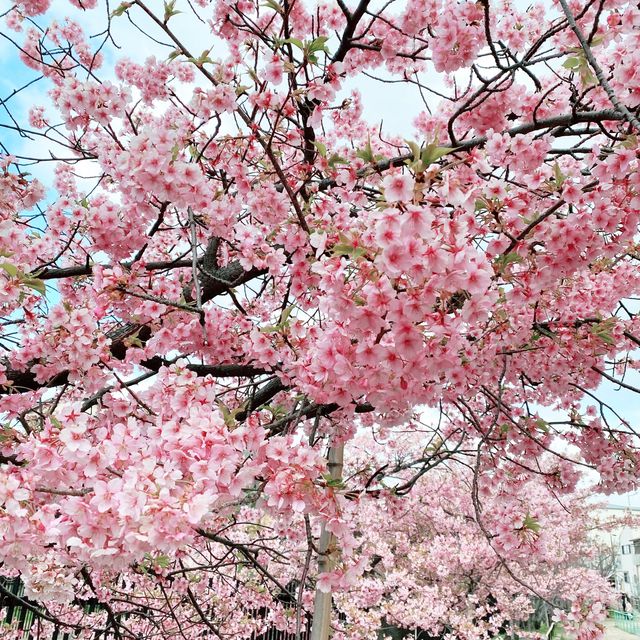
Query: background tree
[{"x": 430, "y": 572}]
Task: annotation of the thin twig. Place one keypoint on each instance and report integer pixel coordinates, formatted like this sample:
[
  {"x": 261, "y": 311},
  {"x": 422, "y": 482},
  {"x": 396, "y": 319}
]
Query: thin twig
[{"x": 629, "y": 117}]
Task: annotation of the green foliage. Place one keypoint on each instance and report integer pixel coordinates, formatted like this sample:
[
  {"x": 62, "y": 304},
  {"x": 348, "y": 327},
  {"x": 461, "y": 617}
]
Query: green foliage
[
  {"x": 34, "y": 283},
  {"x": 580, "y": 65},
  {"x": 295, "y": 41},
  {"x": 432, "y": 152},
  {"x": 335, "y": 160},
  {"x": 309, "y": 48},
  {"x": 558, "y": 175},
  {"x": 321, "y": 148},
  {"x": 336, "y": 483},
  {"x": 202, "y": 59},
  {"x": 121, "y": 9},
  {"x": 531, "y": 524},
  {"x": 272, "y": 4},
  {"x": 26, "y": 280},
  {"x": 366, "y": 153},
  {"x": 282, "y": 324},
  {"x": 346, "y": 248},
  {"x": 503, "y": 261},
  {"x": 10, "y": 269},
  {"x": 542, "y": 425},
  {"x": 150, "y": 561},
  {"x": 170, "y": 10},
  {"x": 603, "y": 329},
  {"x": 424, "y": 156},
  {"x": 229, "y": 416}
]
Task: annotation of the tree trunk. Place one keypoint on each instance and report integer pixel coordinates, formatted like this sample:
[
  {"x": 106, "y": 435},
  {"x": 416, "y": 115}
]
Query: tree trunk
[{"x": 327, "y": 556}]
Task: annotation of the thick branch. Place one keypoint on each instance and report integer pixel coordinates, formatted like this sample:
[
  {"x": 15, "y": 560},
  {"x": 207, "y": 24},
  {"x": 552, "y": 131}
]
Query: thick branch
[
  {"x": 349, "y": 30},
  {"x": 214, "y": 284},
  {"x": 563, "y": 120}
]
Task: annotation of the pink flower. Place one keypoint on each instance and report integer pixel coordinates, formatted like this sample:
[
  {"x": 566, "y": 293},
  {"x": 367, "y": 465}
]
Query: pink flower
[
  {"x": 327, "y": 581},
  {"x": 222, "y": 98},
  {"x": 398, "y": 188},
  {"x": 34, "y": 7},
  {"x": 273, "y": 71},
  {"x": 198, "y": 507},
  {"x": 73, "y": 437}
]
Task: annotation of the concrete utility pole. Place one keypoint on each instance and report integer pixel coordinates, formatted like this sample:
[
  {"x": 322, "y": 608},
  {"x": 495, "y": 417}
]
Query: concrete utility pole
[{"x": 327, "y": 556}]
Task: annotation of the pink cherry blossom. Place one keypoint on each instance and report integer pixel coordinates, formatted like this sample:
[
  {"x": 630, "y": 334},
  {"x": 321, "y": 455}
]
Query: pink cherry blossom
[{"x": 398, "y": 188}]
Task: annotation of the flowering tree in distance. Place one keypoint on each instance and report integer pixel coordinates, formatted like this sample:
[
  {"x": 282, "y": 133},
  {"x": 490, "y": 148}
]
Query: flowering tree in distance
[
  {"x": 429, "y": 567},
  {"x": 240, "y": 274}
]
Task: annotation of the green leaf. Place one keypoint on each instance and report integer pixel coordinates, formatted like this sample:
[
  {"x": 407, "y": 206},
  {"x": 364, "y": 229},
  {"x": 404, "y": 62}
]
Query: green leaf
[
  {"x": 162, "y": 561},
  {"x": 336, "y": 159},
  {"x": 543, "y": 425},
  {"x": 603, "y": 329},
  {"x": 277, "y": 410},
  {"x": 284, "y": 318},
  {"x": 283, "y": 324},
  {"x": 336, "y": 483},
  {"x": 579, "y": 63},
  {"x": 321, "y": 147},
  {"x": 174, "y": 54},
  {"x": 571, "y": 63},
  {"x": 10, "y": 269},
  {"x": 36, "y": 284},
  {"x": 319, "y": 44},
  {"x": 586, "y": 75},
  {"x": 170, "y": 10},
  {"x": 367, "y": 153},
  {"x": 272, "y": 4},
  {"x": 345, "y": 249},
  {"x": 228, "y": 416},
  {"x": 559, "y": 176},
  {"x": 433, "y": 152},
  {"x": 503, "y": 261},
  {"x": 202, "y": 59},
  {"x": 296, "y": 42},
  {"x": 415, "y": 149},
  {"x": 134, "y": 340},
  {"x": 121, "y": 9},
  {"x": 531, "y": 523},
  {"x": 193, "y": 151}
]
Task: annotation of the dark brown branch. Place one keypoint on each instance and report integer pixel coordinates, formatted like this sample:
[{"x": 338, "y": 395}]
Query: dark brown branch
[
  {"x": 217, "y": 283},
  {"x": 465, "y": 145},
  {"x": 349, "y": 30}
]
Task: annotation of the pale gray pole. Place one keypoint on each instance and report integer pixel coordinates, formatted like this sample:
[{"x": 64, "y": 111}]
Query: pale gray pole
[{"x": 327, "y": 556}]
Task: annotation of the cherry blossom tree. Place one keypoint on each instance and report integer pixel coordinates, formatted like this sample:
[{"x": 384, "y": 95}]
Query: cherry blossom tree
[
  {"x": 434, "y": 569},
  {"x": 231, "y": 273},
  {"x": 430, "y": 569}
]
